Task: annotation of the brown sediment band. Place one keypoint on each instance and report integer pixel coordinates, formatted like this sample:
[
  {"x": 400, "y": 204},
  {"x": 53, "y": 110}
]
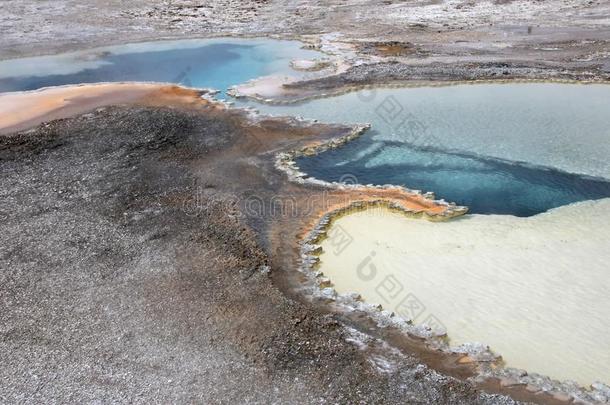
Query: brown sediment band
[{"x": 24, "y": 110}]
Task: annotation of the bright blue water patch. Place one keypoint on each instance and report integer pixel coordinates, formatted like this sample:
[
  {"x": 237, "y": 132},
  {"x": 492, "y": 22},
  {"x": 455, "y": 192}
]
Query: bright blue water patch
[
  {"x": 486, "y": 186},
  {"x": 217, "y": 64}
]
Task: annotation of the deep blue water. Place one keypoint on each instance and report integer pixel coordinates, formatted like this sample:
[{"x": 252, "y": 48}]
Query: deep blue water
[
  {"x": 485, "y": 185},
  {"x": 518, "y": 149}
]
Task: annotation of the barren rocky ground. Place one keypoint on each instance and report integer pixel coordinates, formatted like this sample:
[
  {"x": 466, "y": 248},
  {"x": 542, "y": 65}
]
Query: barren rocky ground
[
  {"x": 555, "y": 31},
  {"x": 129, "y": 274}
]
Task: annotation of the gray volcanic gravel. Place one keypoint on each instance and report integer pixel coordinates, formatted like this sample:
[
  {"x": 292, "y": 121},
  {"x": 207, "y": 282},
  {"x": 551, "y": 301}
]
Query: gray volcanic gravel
[{"x": 112, "y": 291}]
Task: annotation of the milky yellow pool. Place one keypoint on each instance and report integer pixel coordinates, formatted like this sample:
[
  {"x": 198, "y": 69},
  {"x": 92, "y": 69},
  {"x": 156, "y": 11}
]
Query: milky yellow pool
[{"x": 536, "y": 290}]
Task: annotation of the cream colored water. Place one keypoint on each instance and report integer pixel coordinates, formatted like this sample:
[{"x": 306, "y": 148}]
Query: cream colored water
[{"x": 535, "y": 290}]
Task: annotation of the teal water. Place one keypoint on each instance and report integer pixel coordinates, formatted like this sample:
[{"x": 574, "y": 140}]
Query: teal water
[
  {"x": 517, "y": 149},
  {"x": 212, "y": 63}
]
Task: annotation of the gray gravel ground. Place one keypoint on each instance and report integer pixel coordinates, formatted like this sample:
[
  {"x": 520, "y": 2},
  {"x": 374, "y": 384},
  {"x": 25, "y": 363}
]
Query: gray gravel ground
[
  {"x": 112, "y": 291},
  {"x": 569, "y": 32}
]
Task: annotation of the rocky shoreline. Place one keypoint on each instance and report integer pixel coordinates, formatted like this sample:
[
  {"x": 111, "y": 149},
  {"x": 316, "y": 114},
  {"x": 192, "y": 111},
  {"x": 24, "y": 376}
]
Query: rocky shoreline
[{"x": 395, "y": 74}]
